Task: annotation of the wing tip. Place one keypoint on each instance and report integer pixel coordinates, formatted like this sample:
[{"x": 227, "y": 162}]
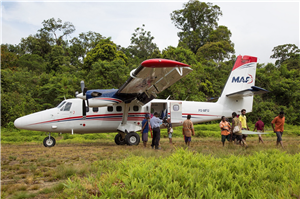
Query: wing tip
[{"x": 161, "y": 63}]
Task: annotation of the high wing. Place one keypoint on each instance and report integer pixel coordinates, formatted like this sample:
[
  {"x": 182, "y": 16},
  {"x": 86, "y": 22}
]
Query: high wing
[{"x": 152, "y": 77}]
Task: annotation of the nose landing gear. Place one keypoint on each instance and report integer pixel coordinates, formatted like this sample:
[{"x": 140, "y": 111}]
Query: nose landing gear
[{"x": 49, "y": 141}]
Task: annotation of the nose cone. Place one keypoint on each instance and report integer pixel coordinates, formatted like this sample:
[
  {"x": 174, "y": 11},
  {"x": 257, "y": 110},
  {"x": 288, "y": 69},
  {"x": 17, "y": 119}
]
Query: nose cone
[
  {"x": 30, "y": 122},
  {"x": 21, "y": 123}
]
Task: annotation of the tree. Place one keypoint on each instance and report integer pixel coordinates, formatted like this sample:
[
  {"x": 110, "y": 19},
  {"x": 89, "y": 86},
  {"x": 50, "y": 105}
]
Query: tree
[
  {"x": 33, "y": 62},
  {"x": 82, "y": 44},
  {"x": 218, "y": 47},
  {"x": 189, "y": 85},
  {"x": 105, "y": 50},
  {"x": 216, "y": 51},
  {"x": 52, "y": 26},
  {"x": 8, "y": 59},
  {"x": 39, "y": 44},
  {"x": 285, "y": 52},
  {"x": 107, "y": 74},
  {"x": 196, "y": 21},
  {"x": 142, "y": 45},
  {"x": 57, "y": 59}
]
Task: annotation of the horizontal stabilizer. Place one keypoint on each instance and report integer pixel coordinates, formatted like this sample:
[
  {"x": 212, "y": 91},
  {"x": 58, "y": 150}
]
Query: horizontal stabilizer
[
  {"x": 254, "y": 90},
  {"x": 252, "y": 132}
]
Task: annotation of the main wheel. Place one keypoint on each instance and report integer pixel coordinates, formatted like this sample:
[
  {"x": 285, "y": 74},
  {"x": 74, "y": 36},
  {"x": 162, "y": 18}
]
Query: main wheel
[
  {"x": 119, "y": 140},
  {"x": 132, "y": 138},
  {"x": 49, "y": 142}
]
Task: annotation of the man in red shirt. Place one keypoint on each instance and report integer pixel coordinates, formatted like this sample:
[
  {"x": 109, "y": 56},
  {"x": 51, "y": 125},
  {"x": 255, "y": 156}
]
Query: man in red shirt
[
  {"x": 225, "y": 130},
  {"x": 279, "y": 123},
  {"x": 260, "y": 126}
]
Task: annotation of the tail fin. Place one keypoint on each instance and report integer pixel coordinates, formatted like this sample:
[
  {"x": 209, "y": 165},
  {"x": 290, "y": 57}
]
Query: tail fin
[{"x": 237, "y": 93}]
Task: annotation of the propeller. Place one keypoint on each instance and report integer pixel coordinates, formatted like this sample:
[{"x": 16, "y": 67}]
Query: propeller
[{"x": 83, "y": 90}]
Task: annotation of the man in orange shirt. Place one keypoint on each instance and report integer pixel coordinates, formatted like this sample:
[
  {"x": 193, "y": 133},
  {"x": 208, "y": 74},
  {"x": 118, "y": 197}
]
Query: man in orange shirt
[
  {"x": 279, "y": 123},
  {"x": 188, "y": 130},
  {"x": 225, "y": 130}
]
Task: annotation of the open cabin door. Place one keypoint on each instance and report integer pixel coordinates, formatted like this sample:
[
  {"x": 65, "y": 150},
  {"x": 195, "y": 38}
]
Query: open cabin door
[
  {"x": 176, "y": 112},
  {"x": 161, "y": 108}
]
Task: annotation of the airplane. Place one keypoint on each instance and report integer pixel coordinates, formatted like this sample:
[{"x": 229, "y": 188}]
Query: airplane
[{"x": 122, "y": 110}]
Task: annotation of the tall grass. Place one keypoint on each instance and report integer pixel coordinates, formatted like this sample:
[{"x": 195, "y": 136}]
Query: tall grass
[{"x": 187, "y": 174}]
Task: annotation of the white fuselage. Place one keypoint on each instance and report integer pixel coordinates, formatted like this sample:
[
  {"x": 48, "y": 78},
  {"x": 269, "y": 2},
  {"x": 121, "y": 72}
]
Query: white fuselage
[{"x": 107, "y": 119}]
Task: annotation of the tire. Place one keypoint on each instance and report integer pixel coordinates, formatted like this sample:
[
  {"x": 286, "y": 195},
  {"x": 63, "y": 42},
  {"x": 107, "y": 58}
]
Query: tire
[
  {"x": 49, "y": 142},
  {"x": 119, "y": 140},
  {"x": 132, "y": 139}
]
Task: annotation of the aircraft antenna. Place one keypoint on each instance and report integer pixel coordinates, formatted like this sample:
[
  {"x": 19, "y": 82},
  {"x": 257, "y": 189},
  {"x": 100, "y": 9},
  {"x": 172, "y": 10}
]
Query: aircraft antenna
[
  {"x": 168, "y": 97},
  {"x": 186, "y": 98}
]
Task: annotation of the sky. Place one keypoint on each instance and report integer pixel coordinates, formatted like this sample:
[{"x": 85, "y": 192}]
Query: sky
[{"x": 256, "y": 27}]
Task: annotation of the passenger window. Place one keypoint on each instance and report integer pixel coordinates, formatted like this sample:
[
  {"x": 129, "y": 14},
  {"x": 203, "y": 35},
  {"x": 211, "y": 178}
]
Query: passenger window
[
  {"x": 119, "y": 108},
  {"x": 135, "y": 108},
  {"x": 110, "y": 109},
  {"x": 67, "y": 107},
  {"x": 95, "y": 109},
  {"x": 87, "y": 109},
  {"x": 176, "y": 107}
]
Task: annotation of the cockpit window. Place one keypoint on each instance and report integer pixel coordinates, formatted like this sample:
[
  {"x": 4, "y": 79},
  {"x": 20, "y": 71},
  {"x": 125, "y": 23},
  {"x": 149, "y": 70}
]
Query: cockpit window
[
  {"x": 61, "y": 104},
  {"x": 67, "y": 107}
]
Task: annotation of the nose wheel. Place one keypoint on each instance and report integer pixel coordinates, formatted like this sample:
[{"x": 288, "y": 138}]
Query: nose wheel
[{"x": 49, "y": 141}]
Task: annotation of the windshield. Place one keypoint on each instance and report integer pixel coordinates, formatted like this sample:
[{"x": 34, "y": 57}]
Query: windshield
[{"x": 61, "y": 104}]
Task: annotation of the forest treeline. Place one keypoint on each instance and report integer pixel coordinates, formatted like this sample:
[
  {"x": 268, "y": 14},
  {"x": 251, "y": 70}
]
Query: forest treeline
[{"x": 46, "y": 67}]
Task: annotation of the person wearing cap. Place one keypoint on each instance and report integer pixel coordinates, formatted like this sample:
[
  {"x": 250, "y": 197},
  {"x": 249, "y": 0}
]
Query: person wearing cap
[
  {"x": 155, "y": 123},
  {"x": 145, "y": 130}
]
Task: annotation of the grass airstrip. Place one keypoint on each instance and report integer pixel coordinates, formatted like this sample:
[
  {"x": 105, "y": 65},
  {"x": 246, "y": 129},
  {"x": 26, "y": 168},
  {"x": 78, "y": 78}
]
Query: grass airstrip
[{"x": 92, "y": 166}]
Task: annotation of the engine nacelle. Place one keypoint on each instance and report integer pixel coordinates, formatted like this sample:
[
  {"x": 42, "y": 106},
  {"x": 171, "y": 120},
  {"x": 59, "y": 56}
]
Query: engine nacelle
[{"x": 103, "y": 101}]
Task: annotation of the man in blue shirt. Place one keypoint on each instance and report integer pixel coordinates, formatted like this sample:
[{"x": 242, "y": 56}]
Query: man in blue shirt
[
  {"x": 155, "y": 123},
  {"x": 145, "y": 130}
]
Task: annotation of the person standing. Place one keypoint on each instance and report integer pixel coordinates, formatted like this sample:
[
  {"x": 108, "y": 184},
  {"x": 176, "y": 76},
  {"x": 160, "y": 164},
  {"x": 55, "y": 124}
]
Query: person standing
[
  {"x": 145, "y": 130},
  {"x": 260, "y": 126},
  {"x": 188, "y": 130},
  {"x": 155, "y": 123},
  {"x": 170, "y": 129},
  {"x": 225, "y": 130},
  {"x": 236, "y": 129},
  {"x": 279, "y": 124},
  {"x": 243, "y": 120}
]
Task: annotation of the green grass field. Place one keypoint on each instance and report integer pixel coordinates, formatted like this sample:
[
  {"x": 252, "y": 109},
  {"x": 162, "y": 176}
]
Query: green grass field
[{"x": 92, "y": 166}]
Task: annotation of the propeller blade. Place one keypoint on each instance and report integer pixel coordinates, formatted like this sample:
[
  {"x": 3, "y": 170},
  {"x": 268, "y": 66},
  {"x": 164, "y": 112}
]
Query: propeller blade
[
  {"x": 84, "y": 91},
  {"x": 82, "y": 86},
  {"x": 83, "y": 109}
]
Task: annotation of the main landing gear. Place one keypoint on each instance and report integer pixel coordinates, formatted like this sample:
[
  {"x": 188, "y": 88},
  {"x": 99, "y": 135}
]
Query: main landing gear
[
  {"x": 130, "y": 138},
  {"x": 49, "y": 141}
]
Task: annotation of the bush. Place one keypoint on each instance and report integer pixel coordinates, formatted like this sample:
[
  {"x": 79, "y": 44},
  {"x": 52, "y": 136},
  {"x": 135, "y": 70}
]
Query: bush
[{"x": 188, "y": 174}]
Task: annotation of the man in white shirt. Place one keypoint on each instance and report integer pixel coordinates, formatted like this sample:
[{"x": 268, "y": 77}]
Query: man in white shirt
[{"x": 155, "y": 123}]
